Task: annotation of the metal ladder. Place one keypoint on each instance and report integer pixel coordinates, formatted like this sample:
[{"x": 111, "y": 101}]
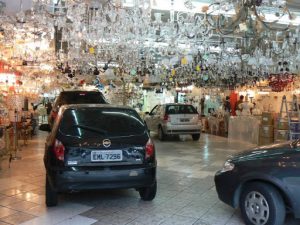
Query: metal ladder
[{"x": 293, "y": 112}]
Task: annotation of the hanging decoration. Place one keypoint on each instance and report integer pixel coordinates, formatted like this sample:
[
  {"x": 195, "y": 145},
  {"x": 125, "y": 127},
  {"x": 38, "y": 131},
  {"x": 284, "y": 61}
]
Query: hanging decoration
[{"x": 226, "y": 43}]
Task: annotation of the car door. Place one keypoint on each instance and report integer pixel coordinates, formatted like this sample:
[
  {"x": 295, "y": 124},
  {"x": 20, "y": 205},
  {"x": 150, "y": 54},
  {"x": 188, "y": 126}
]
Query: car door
[{"x": 152, "y": 119}]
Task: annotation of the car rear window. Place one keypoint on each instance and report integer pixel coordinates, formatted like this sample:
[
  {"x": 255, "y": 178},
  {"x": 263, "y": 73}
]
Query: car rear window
[
  {"x": 80, "y": 98},
  {"x": 95, "y": 122},
  {"x": 181, "y": 109}
]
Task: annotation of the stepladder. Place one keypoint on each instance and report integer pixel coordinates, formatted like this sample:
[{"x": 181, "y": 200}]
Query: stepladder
[{"x": 290, "y": 113}]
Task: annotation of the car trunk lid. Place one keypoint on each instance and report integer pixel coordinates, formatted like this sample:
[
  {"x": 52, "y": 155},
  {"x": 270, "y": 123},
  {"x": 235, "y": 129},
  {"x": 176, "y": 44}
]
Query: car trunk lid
[
  {"x": 183, "y": 119},
  {"x": 94, "y": 153},
  {"x": 95, "y": 136}
]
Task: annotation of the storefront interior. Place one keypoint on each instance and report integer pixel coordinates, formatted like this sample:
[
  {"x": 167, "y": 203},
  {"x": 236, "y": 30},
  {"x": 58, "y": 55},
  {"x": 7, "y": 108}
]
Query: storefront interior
[{"x": 236, "y": 62}]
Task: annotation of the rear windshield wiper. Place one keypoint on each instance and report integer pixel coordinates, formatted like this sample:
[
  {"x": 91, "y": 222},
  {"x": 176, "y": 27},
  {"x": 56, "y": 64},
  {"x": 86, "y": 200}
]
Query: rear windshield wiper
[{"x": 96, "y": 130}]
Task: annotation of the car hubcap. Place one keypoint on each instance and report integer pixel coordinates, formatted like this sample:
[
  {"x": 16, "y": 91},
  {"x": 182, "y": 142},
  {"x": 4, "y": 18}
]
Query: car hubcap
[{"x": 257, "y": 208}]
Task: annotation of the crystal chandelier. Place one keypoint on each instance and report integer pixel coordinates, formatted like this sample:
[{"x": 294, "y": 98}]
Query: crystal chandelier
[
  {"x": 229, "y": 41},
  {"x": 247, "y": 16}
]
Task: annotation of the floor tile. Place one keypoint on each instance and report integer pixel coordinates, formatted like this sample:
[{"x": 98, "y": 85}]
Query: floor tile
[
  {"x": 17, "y": 218},
  {"x": 12, "y": 191},
  {"x": 77, "y": 220},
  {"x": 9, "y": 200},
  {"x": 179, "y": 220},
  {"x": 3, "y": 223},
  {"x": 150, "y": 218},
  {"x": 27, "y": 196},
  {"x": 58, "y": 214},
  {"x": 22, "y": 206},
  {"x": 38, "y": 210},
  {"x": 4, "y": 211},
  {"x": 186, "y": 192}
]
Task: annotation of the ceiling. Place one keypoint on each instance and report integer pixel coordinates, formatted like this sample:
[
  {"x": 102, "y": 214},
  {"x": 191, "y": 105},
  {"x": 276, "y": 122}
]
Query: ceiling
[{"x": 14, "y": 5}]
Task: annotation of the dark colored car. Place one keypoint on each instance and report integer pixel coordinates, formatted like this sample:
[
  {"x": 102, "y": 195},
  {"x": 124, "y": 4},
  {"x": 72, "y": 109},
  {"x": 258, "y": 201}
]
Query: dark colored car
[
  {"x": 99, "y": 147},
  {"x": 75, "y": 97},
  {"x": 264, "y": 183}
]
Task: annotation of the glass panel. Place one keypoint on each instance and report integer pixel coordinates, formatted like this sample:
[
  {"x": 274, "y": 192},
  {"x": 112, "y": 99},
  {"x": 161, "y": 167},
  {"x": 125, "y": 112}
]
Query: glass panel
[
  {"x": 80, "y": 98},
  {"x": 181, "y": 109},
  {"x": 99, "y": 122}
]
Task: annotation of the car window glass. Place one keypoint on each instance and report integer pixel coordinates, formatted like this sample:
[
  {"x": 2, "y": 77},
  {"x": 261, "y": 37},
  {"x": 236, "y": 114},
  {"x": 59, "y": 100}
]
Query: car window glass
[
  {"x": 95, "y": 122},
  {"x": 181, "y": 109},
  {"x": 80, "y": 98}
]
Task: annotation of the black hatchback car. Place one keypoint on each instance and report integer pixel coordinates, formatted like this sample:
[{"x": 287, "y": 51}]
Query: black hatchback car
[
  {"x": 75, "y": 97},
  {"x": 264, "y": 183},
  {"x": 94, "y": 147}
]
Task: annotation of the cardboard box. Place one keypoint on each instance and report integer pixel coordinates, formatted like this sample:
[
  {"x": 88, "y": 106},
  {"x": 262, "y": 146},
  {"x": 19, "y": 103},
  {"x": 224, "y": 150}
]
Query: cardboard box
[
  {"x": 267, "y": 118},
  {"x": 282, "y": 124},
  {"x": 266, "y": 131},
  {"x": 265, "y": 141},
  {"x": 281, "y": 135}
]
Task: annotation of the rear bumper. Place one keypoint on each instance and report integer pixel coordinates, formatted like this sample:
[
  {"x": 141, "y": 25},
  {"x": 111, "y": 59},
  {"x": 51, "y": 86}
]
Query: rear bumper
[
  {"x": 102, "y": 179},
  {"x": 182, "y": 129}
]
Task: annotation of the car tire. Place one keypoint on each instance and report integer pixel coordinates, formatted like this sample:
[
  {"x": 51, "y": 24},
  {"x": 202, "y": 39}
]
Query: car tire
[
  {"x": 161, "y": 134},
  {"x": 196, "y": 137},
  {"x": 261, "y": 203},
  {"x": 148, "y": 193},
  {"x": 51, "y": 195}
]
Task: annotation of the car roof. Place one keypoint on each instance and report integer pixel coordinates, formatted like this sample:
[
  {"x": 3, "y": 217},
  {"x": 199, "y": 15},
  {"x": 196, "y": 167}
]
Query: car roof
[
  {"x": 75, "y": 91},
  {"x": 80, "y": 106}
]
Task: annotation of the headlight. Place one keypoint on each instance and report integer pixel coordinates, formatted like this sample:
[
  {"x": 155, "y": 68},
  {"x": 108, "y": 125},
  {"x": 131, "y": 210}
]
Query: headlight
[{"x": 228, "y": 166}]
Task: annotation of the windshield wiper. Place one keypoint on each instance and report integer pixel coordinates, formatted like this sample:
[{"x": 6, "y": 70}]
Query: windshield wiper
[{"x": 96, "y": 130}]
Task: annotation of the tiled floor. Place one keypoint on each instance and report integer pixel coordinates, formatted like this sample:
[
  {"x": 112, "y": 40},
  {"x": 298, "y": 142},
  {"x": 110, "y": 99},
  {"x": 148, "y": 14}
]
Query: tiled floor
[{"x": 186, "y": 193}]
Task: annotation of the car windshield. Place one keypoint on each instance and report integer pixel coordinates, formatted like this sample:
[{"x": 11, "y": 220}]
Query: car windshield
[
  {"x": 80, "y": 98},
  {"x": 181, "y": 109},
  {"x": 95, "y": 122}
]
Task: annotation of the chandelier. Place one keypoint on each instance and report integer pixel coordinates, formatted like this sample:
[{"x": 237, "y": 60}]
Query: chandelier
[
  {"x": 247, "y": 16},
  {"x": 228, "y": 41}
]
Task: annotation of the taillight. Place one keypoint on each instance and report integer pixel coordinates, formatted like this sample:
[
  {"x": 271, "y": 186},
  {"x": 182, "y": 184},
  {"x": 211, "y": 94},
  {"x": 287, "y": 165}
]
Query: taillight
[
  {"x": 150, "y": 149},
  {"x": 59, "y": 150},
  {"x": 166, "y": 118}
]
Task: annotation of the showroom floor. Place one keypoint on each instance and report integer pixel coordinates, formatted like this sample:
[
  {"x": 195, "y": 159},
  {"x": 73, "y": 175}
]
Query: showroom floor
[{"x": 186, "y": 193}]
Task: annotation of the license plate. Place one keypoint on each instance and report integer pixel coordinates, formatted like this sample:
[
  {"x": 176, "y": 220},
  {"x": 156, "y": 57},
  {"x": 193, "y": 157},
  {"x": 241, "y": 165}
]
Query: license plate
[
  {"x": 184, "y": 120},
  {"x": 107, "y": 156}
]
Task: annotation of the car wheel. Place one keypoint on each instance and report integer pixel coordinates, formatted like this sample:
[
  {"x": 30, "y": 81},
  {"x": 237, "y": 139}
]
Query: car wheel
[
  {"x": 161, "y": 134},
  {"x": 196, "y": 137},
  {"x": 51, "y": 195},
  {"x": 148, "y": 193},
  {"x": 261, "y": 204}
]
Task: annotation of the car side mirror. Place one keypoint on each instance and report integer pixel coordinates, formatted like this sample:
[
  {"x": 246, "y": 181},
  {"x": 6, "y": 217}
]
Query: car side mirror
[{"x": 45, "y": 127}]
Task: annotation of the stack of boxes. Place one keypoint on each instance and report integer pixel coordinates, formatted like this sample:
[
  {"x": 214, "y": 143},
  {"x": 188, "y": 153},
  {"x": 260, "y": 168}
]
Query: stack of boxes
[
  {"x": 266, "y": 130},
  {"x": 282, "y": 129}
]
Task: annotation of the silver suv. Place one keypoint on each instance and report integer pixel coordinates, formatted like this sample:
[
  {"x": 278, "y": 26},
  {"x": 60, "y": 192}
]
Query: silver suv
[{"x": 172, "y": 119}]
